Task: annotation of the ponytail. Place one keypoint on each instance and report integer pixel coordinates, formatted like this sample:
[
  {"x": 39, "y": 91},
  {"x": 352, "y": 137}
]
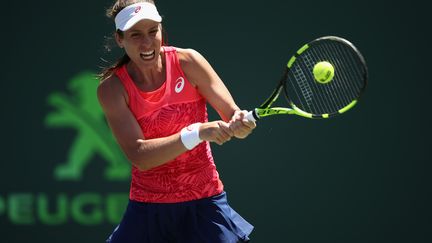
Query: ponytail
[{"x": 109, "y": 71}]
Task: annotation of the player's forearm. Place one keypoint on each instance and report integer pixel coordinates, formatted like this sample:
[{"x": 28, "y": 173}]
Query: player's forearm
[
  {"x": 151, "y": 153},
  {"x": 228, "y": 111}
]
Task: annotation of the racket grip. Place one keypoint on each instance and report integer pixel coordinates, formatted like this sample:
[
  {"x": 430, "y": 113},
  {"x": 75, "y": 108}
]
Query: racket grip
[{"x": 250, "y": 116}]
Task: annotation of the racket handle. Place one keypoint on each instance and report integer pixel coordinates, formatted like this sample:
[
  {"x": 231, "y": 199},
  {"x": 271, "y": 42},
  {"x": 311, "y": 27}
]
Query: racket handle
[{"x": 251, "y": 116}]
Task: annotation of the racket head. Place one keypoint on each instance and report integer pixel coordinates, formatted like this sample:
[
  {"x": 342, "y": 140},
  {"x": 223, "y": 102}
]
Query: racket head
[{"x": 312, "y": 99}]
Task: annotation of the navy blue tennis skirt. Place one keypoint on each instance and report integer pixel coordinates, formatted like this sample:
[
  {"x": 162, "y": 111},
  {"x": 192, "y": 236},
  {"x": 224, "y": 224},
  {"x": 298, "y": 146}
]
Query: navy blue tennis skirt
[{"x": 208, "y": 220}]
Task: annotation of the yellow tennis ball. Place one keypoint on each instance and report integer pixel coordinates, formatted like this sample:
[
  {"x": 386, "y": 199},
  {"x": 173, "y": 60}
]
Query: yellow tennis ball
[{"x": 323, "y": 72}]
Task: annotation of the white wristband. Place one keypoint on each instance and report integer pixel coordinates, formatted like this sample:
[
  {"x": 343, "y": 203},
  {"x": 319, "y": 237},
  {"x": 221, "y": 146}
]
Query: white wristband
[{"x": 190, "y": 136}]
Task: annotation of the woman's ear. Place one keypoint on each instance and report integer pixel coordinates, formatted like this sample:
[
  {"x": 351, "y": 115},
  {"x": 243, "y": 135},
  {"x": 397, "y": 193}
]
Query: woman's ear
[{"x": 118, "y": 39}]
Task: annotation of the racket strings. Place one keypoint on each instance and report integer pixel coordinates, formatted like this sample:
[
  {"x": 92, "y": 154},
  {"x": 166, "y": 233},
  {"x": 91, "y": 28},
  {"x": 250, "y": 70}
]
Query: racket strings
[
  {"x": 306, "y": 91},
  {"x": 330, "y": 91},
  {"x": 317, "y": 98},
  {"x": 321, "y": 105},
  {"x": 348, "y": 73}
]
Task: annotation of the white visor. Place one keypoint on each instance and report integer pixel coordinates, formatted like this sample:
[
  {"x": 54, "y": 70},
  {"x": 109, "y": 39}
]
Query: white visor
[{"x": 130, "y": 15}]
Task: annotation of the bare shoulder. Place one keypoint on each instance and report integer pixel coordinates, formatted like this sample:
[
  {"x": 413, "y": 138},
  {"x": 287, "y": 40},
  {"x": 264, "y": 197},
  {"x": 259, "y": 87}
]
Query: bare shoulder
[
  {"x": 110, "y": 90},
  {"x": 194, "y": 65},
  {"x": 188, "y": 56}
]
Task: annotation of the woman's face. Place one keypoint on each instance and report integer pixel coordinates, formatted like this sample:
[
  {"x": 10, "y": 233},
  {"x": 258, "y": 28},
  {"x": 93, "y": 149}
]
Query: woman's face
[{"x": 142, "y": 42}]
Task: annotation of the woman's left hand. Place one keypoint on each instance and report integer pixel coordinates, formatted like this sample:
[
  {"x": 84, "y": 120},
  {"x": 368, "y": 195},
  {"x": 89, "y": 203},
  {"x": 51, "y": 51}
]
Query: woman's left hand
[{"x": 240, "y": 126}]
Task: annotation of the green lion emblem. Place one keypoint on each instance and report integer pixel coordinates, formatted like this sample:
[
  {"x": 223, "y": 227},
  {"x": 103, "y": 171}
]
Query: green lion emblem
[{"x": 81, "y": 111}]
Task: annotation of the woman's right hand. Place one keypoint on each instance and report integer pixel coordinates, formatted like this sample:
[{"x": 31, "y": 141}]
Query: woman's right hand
[{"x": 216, "y": 131}]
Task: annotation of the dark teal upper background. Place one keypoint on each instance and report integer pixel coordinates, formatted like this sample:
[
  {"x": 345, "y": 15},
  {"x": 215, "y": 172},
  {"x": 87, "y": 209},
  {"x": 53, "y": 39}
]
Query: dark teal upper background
[{"x": 360, "y": 177}]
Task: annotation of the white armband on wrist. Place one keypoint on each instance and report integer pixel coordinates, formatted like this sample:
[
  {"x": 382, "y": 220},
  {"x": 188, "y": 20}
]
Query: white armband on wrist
[{"x": 190, "y": 136}]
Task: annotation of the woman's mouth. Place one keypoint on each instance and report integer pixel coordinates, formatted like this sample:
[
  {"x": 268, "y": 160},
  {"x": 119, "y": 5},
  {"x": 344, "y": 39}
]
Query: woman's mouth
[{"x": 149, "y": 55}]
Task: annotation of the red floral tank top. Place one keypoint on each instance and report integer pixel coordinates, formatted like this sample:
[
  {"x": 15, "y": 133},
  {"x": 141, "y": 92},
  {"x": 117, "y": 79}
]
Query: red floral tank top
[{"x": 163, "y": 112}]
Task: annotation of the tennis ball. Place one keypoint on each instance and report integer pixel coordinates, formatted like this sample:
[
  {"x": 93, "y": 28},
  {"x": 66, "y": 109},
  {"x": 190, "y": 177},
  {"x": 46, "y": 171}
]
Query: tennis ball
[{"x": 323, "y": 72}]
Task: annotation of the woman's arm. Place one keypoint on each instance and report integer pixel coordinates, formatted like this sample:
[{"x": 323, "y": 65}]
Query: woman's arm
[
  {"x": 201, "y": 74},
  {"x": 144, "y": 154},
  {"x": 147, "y": 153}
]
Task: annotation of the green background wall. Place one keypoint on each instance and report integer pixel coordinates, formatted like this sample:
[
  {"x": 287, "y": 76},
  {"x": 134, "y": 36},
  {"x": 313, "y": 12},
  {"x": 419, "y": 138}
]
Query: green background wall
[{"x": 361, "y": 177}]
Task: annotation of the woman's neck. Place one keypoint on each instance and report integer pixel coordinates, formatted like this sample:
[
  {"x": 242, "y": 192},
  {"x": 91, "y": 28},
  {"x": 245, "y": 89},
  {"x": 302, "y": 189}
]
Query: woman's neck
[{"x": 148, "y": 78}]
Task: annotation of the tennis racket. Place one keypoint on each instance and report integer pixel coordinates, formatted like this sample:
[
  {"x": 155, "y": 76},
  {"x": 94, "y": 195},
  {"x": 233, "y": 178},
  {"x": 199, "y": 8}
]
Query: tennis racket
[{"x": 306, "y": 94}]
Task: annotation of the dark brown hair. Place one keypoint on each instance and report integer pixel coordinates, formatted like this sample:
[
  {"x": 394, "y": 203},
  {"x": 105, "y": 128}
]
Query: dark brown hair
[{"x": 112, "y": 13}]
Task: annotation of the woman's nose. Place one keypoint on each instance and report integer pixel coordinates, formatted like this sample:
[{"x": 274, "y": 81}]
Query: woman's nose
[{"x": 146, "y": 41}]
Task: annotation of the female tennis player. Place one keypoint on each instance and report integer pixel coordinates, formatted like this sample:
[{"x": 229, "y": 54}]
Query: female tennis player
[{"x": 154, "y": 99}]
